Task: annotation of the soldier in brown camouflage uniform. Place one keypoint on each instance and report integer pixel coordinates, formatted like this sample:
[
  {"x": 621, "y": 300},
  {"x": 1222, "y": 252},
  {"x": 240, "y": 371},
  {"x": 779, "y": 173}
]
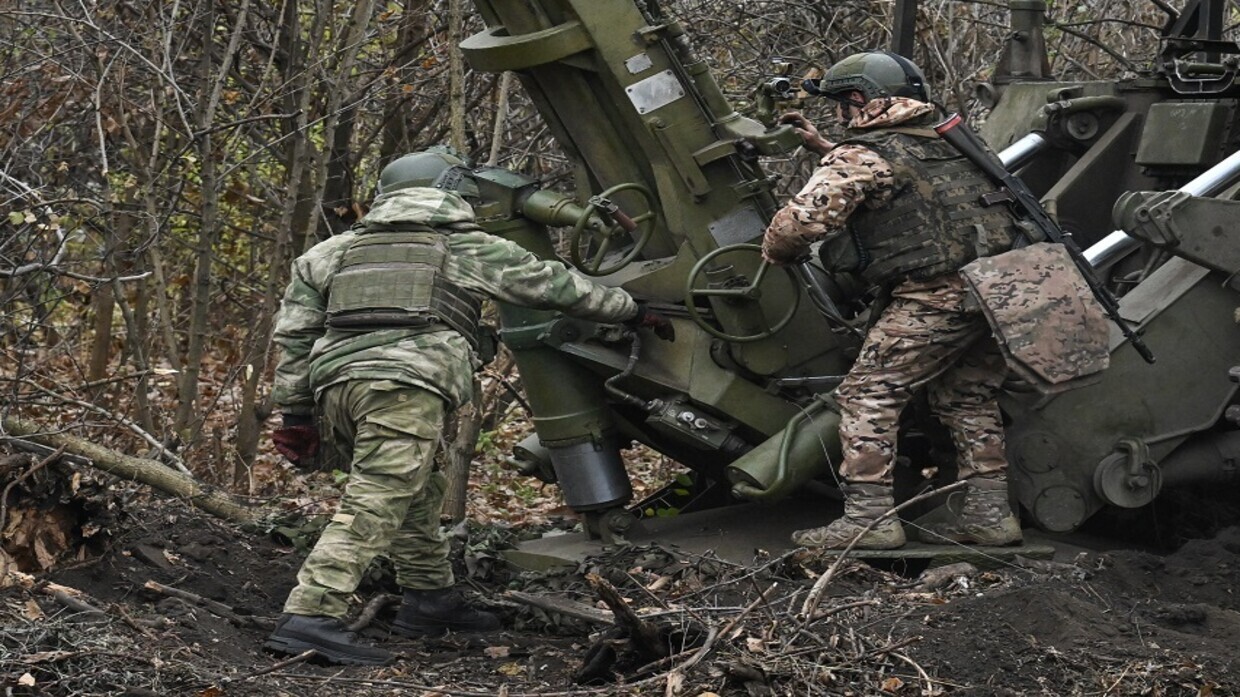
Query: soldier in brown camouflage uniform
[
  {"x": 899, "y": 207},
  {"x": 379, "y": 330}
]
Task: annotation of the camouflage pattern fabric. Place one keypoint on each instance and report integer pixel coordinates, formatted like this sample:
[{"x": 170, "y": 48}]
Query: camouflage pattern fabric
[
  {"x": 1053, "y": 333},
  {"x": 389, "y": 433},
  {"x": 314, "y": 358},
  {"x": 935, "y": 223},
  {"x": 932, "y": 335},
  {"x": 384, "y": 393},
  {"x": 847, "y": 177}
]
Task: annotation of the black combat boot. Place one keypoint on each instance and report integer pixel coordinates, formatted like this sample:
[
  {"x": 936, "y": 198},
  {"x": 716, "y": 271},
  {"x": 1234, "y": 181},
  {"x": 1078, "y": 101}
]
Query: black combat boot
[
  {"x": 429, "y": 613},
  {"x": 330, "y": 639}
]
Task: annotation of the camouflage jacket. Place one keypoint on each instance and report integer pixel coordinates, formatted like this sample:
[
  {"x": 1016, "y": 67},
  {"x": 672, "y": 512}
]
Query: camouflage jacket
[
  {"x": 314, "y": 357},
  {"x": 847, "y": 177}
]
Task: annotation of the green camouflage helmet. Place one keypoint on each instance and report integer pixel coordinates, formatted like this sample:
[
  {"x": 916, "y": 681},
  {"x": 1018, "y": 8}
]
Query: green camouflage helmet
[
  {"x": 875, "y": 74},
  {"x": 424, "y": 168}
]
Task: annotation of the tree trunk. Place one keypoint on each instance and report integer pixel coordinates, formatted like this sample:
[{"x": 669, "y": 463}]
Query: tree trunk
[
  {"x": 101, "y": 307},
  {"x": 468, "y": 424},
  {"x": 456, "y": 76},
  {"x": 460, "y": 456},
  {"x": 501, "y": 117}
]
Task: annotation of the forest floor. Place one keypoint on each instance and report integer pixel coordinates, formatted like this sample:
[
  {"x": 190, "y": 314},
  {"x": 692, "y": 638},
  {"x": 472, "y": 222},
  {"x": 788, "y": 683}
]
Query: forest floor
[{"x": 1119, "y": 622}]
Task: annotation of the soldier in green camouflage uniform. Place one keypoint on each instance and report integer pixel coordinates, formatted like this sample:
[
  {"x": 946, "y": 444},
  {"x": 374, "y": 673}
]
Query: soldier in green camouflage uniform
[
  {"x": 378, "y": 328},
  {"x": 898, "y": 206}
]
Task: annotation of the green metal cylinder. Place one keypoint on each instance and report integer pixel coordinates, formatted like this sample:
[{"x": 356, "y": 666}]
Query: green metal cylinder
[{"x": 805, "y": 448}]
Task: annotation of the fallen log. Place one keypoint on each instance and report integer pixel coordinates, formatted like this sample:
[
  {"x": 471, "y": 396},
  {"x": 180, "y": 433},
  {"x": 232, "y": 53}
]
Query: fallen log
[{"x": 150, "y": 472}]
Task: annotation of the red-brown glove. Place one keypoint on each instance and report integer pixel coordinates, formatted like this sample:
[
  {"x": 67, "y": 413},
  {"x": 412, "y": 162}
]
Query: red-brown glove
[
  {"x": 298, "y": 440},
  {"x": 662, "y": 326}
]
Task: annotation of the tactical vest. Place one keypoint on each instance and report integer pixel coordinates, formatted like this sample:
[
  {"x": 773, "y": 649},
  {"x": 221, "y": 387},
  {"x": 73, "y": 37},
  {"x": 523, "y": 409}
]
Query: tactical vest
[
  {"x": 392, "y": 277},
  {"x": 934, "y": 222}
]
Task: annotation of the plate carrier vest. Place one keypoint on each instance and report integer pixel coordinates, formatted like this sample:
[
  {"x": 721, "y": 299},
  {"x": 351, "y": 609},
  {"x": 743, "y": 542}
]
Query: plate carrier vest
[
  {"x": 934, "y": 223},
  {"x": 392, "y": 277}
]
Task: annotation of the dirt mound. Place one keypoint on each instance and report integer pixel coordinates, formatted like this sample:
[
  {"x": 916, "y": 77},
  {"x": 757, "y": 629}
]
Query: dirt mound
[
  {"x": 1124, "y": 622},
  {"x": 180, "y": 605}
]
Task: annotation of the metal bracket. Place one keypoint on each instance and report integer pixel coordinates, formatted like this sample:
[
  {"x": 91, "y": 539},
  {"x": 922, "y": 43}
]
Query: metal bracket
[{"x": 1128, "y": 478}]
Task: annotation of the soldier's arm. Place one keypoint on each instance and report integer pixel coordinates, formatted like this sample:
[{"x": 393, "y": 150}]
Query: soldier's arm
[
  {"x": 299, "y": 323},
  {"x": 506, "y": 271},
  {"x": 847, "y": 177}
]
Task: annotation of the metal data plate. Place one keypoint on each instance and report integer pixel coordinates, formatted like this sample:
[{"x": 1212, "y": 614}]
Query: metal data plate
[
  {"x": 656, "y": 91},
  {"x": 741, "y": 225},
  {"x": 639, "y": 63}
]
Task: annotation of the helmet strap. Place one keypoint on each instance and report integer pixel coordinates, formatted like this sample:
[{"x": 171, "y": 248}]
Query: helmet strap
[{"x": 911, "y": 78}]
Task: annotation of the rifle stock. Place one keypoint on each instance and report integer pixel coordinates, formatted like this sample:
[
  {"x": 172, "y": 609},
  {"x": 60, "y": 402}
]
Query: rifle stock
[{"x": 956, "y": 133}]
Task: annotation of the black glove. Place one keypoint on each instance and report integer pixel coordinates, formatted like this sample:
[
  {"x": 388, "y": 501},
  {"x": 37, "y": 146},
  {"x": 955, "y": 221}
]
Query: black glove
[{"x": 661, "y": 325}]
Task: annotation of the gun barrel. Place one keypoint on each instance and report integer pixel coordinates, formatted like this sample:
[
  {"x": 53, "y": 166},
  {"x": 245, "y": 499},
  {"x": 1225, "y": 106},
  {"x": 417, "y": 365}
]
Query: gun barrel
[
  {"x": 1119, "y": 243},
  {"x": 1019, "y": 154},
  {"x": 954, "y": 130}
]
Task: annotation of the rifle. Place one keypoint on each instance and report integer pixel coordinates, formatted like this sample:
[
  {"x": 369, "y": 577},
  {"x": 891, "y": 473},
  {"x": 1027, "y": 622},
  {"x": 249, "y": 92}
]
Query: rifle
[{"x": 1013, "y": 190}]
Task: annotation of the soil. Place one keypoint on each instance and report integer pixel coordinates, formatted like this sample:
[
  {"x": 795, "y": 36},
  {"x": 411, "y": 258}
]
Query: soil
[{"x": 1109, "y": 623}]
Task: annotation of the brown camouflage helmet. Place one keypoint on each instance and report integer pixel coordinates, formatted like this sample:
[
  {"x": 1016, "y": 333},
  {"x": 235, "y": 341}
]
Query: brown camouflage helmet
[{"x": 874, "y": 74}]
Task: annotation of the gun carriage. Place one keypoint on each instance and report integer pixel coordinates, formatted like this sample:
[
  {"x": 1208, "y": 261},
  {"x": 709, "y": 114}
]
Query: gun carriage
[{"x": 671, "y": 196}]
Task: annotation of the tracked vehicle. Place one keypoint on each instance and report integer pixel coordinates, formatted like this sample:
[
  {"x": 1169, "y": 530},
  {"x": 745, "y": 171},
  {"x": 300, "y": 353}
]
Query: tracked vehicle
[{"x": 671, "y": 198}]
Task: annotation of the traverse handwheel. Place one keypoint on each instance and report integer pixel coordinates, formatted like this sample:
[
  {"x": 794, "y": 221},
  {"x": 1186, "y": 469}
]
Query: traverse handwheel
[
  {"x": 639, "y": 228},
  {"x": 740, "y": 289}
]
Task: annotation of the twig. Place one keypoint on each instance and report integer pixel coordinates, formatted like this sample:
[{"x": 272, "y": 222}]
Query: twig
[
  {"x": 129, "y": 620},
  {"x": 708, "y": 645},
  {"x": 279, "y": 665},
  {"x": 74, "y": 604},
  {"x": 645, "y": 636},
  {"x": 846, "y": 606},
  {"x": 371, "y": 611},
  {"x": 658, "y": 666},
  {"x": 213, "y": 606},
  {"x": 65, "y": 595},
  {"x": 568, "y": 608},
  {"x": 820, "y": 586},
  {"x": 1117, "y": 680},
  {"x": 172, "y": 460},
  {"x": 924, "y": 676}
]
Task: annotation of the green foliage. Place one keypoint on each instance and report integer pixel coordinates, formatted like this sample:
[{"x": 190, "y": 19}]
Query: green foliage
[{"x": 487, "y": 445}]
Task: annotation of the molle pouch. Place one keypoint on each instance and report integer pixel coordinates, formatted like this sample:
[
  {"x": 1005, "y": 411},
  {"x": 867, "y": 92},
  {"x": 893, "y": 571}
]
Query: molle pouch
[
  {"x": 488, "y": 345},
  {"x": 1053, "y": 333},
  {"x": 842, "y": 254}
]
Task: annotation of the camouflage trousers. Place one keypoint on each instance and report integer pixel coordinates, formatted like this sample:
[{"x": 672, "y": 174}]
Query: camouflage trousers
[
  {"x": 932, "y": 336},
  {"x": 388, "y": 431}
]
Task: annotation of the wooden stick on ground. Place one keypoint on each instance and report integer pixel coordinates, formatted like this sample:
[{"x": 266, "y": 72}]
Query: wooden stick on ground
[
  {"x": 279, "y": 665},
  {"x": 213, "y": 606},
  {"x": 644, "y": 635},
  {"x": 67, "y": 596},
  {"x": 76, "y": 604},
  {"x": 563, "y": 606},
  {"x": 372, "y": 610}
]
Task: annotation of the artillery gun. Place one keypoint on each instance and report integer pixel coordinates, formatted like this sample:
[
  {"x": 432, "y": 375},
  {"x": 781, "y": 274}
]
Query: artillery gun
[
  {"x": 671, "y": 197},
  {"x": 1155, "y": 156}
]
